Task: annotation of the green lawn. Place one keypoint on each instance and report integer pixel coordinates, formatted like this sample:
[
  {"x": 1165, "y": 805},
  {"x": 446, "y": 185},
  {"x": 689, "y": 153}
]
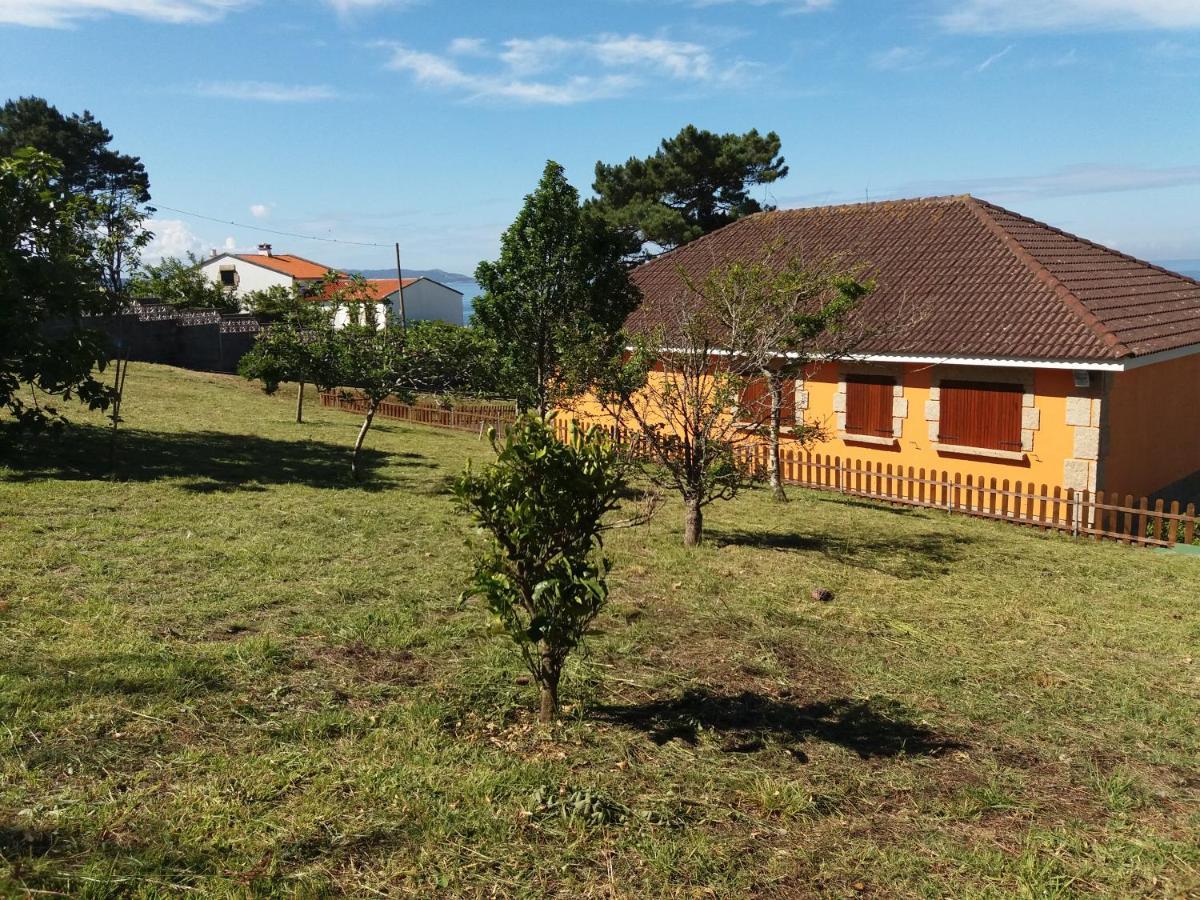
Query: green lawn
[{"x": 233, "y": 670}]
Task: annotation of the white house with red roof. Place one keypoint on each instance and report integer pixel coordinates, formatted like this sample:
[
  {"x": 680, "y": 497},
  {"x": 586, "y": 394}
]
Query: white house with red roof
[
  {"x": 424, "y": 298},
  {"x": 247, "y": 272}
]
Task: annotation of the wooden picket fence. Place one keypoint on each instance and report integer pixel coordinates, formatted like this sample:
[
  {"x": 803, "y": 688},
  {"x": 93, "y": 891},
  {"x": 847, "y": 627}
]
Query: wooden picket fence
[
  {"x": 473, "y": 417},
  {"x": 1082, "y": 514}
]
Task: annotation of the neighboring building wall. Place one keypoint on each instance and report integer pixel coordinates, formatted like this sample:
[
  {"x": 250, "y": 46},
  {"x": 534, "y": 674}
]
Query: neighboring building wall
[
  {"x": 426, "y": 301},
  {"x": 250, "y": 276},
  {"x": 342, "y": 314},
  {"x": 1152, "y": 430}
]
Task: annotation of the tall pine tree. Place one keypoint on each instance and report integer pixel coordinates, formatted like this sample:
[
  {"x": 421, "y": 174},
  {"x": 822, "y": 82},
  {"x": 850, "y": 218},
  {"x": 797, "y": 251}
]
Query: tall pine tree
[{"x": 695, "y": 183}]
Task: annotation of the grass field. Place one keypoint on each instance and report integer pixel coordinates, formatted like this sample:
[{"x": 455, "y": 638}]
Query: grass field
[{"x": 233, "y": 671}]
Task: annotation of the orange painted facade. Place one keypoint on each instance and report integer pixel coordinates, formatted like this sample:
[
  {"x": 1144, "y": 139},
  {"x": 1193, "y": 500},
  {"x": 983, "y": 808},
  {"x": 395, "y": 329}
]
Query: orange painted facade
[
  {"x": 1152, "y": 428},
  {"x": 1043, "y": 464},
  {"x": 1121, "y": 432}
]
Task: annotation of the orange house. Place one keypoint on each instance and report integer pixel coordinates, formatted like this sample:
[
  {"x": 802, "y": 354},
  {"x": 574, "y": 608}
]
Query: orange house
[{"x": 1037, "y": 355}]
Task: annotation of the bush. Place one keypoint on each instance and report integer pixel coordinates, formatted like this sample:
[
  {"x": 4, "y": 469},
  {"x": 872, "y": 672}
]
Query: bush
[{"x": 543, "y": 576}]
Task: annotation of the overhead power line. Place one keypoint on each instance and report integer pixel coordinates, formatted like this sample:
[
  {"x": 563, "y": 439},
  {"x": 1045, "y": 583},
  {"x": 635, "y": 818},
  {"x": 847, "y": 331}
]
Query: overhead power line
[{"x": 292, "y": 234}]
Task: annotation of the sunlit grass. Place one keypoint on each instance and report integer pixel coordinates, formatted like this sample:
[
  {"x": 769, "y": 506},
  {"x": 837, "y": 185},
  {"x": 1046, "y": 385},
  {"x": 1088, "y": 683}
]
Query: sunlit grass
[{"x": 233, "y": 669}]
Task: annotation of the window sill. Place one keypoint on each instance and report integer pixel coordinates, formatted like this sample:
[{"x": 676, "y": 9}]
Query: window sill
[
  {"x": 851, "y": 438},
  {"x": 987, "y": 452}
]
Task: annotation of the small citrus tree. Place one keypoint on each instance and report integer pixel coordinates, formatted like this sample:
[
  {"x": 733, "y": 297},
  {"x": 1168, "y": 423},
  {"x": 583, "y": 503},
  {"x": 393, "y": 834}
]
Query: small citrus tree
[{"x": 543, "y": 576}]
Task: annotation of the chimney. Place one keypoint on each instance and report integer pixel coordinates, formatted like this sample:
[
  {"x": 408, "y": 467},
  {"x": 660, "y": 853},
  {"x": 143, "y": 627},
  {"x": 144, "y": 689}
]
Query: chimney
[{"x": 264, "y": 249}]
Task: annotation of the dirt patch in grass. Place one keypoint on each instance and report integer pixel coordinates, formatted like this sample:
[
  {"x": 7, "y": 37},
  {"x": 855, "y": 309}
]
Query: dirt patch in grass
[{"x": 364, "y": 664}]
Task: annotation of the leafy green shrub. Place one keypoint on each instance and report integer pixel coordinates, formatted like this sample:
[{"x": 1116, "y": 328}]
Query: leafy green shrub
[{"x": 543, "y": 578}]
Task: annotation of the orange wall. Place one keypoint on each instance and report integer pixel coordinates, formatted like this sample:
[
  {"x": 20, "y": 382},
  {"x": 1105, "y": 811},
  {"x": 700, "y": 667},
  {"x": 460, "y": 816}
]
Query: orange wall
[
  {"x": 1152, "y": 418},
  {"x": 1044, "y": 465},
  {"x": 1053, "y": 443}
]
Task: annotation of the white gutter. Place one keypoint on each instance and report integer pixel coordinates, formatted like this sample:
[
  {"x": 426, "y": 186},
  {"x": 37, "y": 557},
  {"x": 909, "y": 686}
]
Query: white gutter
[{"x": 1116, "y": 365}]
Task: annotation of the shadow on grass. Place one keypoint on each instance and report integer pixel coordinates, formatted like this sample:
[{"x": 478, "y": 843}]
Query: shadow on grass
[
  {"x": 870, "y": 728},
  {"x": 212, "y": 461},
  {"x": 899, "y": 555}
]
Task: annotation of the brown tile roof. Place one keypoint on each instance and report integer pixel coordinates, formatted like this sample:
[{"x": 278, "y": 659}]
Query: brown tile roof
[
  {"x": 987, "y": 282},
  {"x": 286, "y": 264}
]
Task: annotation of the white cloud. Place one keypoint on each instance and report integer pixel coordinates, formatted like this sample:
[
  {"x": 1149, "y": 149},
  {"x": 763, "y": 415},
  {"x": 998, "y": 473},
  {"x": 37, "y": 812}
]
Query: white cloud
[
  {"x": 1067, "y": 182},
  {"x": 900, "y": 59},
  {"x": 556, "y": 70},
  {"x": 989, "y": 16},
  {"x": 63, "y": 13},
  {"x": 260, "y": 210},
  {"x": 172, "y": 237},
  {"x": 267, "y": 91},
  {"x": 468, "y": 46},
  {"x": 994, "y": 58},
  {"x": 346, "y": 7}
]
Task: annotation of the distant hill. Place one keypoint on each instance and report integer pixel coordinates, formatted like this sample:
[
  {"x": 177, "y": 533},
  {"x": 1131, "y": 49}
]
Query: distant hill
[{"x": 434, "y": 274}]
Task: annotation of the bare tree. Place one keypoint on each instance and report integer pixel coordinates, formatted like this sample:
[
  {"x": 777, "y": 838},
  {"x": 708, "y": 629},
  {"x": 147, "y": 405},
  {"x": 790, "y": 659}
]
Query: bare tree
[{"x": 681, "y": 389}]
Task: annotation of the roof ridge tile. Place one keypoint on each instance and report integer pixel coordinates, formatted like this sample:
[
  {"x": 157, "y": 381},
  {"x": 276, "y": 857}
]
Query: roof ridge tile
[{"x": 1060, "y": 290}]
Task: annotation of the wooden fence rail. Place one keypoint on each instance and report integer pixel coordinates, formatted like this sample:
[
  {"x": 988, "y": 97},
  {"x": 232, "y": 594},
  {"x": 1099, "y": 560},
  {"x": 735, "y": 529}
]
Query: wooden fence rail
[
  {"x": 1082, "y": 514},
  {"x": 473, "y": 417}
]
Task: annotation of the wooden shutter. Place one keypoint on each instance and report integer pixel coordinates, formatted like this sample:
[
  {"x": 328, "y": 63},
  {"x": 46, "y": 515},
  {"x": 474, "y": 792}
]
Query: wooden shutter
[
  {"x": 981, "y": 414},
  {"x": 755, "y": 402},
  {"x": 869, "y": 405}
]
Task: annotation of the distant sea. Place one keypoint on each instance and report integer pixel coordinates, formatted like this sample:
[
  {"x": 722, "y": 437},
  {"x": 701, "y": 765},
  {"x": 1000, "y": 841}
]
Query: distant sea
[{"x": 470, "y": 290}]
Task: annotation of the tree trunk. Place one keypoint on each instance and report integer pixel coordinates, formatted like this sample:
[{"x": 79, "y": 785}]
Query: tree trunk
[
  {"x": 775, "y": 383},
  {"x": 693, "y": 522},
  {"x": 362, "y": 435},
  {"x": 548, "y": 711},
  {"x": 300, "y": 403}
]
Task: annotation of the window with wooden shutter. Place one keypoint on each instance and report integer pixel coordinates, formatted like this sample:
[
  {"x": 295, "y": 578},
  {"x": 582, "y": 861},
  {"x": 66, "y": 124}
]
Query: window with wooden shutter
[
  {"x": 981, "y": 414},
  {"x": 869, "y": 405},
  {"x": 755, "y": 402}
]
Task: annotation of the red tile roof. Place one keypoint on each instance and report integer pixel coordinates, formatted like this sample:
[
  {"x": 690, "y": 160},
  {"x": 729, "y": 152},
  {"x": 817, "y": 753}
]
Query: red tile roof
[
  {"x": 987, "y": 282},
  {"x": 382, "y": 288},
  {"x": 287, "y": 264}
]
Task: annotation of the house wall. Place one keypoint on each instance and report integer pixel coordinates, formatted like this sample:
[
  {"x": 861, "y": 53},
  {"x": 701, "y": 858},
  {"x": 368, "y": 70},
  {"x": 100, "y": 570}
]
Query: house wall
[
  {"x": 1152, "y": 430},
  {"x": 250, "y": 276},
  {"x": 343, "y": 312},
  {"x": 1061, "y": 424},
  {"x": 1049, "y": 440},
  {"x": 427, "y": 301}
]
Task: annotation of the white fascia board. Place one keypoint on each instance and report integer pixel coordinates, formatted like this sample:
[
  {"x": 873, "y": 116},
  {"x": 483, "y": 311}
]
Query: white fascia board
[
  {"x": 1115, "y": 365},
  {"x": 992, "y": 362}
]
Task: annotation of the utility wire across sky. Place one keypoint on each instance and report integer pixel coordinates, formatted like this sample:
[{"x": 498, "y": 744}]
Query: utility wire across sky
[{"x": 292, "y": 234}]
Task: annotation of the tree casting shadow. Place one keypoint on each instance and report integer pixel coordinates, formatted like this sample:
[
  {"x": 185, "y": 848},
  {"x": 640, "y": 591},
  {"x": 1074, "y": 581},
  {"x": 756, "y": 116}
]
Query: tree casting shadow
[
  {"x": 899, "y": 555},
  {"x": 212, "y": 460},
  {"x": 870, "y": 728}
]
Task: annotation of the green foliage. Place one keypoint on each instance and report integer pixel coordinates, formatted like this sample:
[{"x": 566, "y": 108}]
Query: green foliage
[
  {"x": 181, "y": 284},
  {"x": 577, "y": 806},
  {"x": 695, "y": 183},
  {"x": 80, "y": 144},
  {"x": 554, "y": 302},
  {"x": 49, "y": 280},
  {"x": 291, "y": 351},
  {"x": 116, "y": 183},
  {"x": 543, "y": 577},
  {"x": 295, "y": 304},
  {"x": 465, "y": 358}
]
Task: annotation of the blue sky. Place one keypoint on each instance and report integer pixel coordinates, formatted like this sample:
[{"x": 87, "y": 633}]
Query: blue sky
[{"x": 426, "y": 121}]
